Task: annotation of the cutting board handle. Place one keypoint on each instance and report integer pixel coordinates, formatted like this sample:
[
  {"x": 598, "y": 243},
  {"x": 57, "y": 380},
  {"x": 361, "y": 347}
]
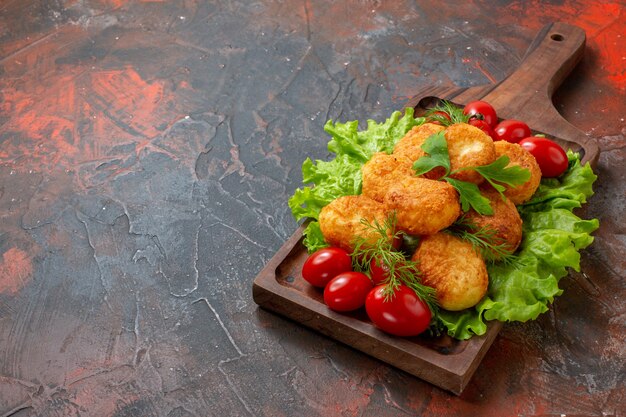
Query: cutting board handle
[{"x": 527, "y": 93}]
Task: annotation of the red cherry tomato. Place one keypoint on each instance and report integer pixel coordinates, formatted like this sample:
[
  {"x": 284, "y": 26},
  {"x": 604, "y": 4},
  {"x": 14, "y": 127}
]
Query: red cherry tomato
[
  {"x": 347, "y": 291},
  {"x": 511, "y": 130},
  {"x": 378, "y": 272},
  {"x": 482, "y": 125},
  {"x": 438, "y": 115},
  {"x": 324, "y": 265},
  {"x": 551, "y": 158},
  {"x": 481, "y": 110},
  {"x": 403, "y": 315}
]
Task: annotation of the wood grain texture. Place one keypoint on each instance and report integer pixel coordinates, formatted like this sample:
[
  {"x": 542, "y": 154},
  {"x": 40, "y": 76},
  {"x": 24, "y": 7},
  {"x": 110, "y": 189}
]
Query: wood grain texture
[
  {"x": 147, "y": 151},
  {"x": 527, "y": 93},
  {"x": 442, "y": 361},
  {"x": 279, "y": 287}
]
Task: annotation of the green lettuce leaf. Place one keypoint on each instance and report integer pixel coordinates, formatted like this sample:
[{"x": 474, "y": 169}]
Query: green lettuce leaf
[
  {"x": 313, "y": 237},
  {"x": 462, "y": 325},
  {"x": 569, "y": 191},
  {"x": 347, "y": 139},
  {"x": 342, "y": 175},
  {"x": 519, "y": 291},
  {"x": 552, "y": 238}
]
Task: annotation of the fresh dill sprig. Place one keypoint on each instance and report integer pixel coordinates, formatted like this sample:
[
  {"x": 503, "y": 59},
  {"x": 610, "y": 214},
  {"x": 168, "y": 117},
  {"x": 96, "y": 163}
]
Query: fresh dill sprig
[
  {"x": 455, "y": 114},
  {"x": 401, "y": 271},
  {"x": 485, "y": 240}
]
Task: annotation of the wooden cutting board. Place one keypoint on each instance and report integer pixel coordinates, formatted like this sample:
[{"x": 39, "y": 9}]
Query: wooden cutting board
[{"x": 448, "y": 363}]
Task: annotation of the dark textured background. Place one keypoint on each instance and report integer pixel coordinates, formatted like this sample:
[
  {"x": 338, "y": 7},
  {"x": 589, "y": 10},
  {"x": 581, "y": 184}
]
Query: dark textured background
[{"x": 147, "y": 151}]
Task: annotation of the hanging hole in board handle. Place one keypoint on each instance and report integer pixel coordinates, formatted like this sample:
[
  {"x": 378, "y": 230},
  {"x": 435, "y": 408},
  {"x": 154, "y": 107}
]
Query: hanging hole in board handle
[{"x": 557, "y": 37}]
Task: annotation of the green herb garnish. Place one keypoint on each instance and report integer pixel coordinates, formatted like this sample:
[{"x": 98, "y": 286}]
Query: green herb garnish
[
  {"x": 401, "y": 271},
  {"x": 496, "y": 174},
  {"x": 469, "y": 195},
  {"x": 326, "y": 180},
  {"x": 484, "y": 240},
  {"x": 553, "y": 235},
  {"x": 455, "y": 114},
  {"x": 437, "y": 155}
]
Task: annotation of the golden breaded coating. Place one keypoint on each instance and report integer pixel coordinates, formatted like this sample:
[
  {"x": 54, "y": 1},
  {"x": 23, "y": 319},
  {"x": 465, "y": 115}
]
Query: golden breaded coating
[
  {"x": 381, "y": 171},
  {"x": 410, "y": 146},
  {"x": 520, "y": 157},
  {"x": 423, "y": 206},
  {"x": 469, "y": 146},
  {"x": 454, "y": 269},
  {"x": 505, "y": 222},
  {"x": 340, "y": 220}
]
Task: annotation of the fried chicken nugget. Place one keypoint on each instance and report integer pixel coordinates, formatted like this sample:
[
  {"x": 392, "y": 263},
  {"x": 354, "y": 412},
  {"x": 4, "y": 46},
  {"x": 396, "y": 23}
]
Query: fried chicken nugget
[
  {"x": 422, "y": 206},
  {"x": 469, "y": 146},
  {"x": 454, "y": 269},
  {"x": 383, "y": 170},
  {"x": 520, "y": 157},
  {"x": 505, "y": 222},
  {"x": 340, "y": 220},
  {"x": 411, "y": 144}
]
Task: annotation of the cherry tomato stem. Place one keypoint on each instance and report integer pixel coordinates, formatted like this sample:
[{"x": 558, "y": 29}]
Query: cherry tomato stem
[
  {"x": 481, "y": 110},
  {"x": 482, "y": 125}
]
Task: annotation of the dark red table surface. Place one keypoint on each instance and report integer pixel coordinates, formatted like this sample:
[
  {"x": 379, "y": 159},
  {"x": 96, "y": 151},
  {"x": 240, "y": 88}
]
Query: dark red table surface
[{"x": 147, "y": 152}]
